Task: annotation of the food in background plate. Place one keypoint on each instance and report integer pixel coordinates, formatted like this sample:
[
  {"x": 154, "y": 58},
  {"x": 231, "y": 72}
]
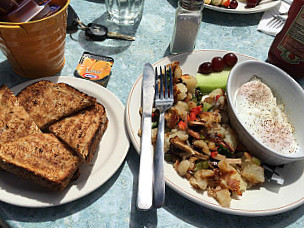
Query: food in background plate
[
  {"x": 231, "y": 4},
  {"x": 216, "y": 2},
  {"x": 252, "y": 3},
  {"x": 264, "y": 118},
  {"x": 201, "y": 145}
]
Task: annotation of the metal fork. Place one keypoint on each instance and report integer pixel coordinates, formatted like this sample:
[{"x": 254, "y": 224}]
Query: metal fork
[
  {"x": 163, "y": 101},
  {"x": 275, "y": 23},
  {"x": 280, "y": 16}
]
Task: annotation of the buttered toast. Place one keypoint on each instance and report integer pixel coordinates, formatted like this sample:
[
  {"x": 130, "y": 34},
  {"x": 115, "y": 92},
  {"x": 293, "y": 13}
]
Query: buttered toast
[
  {"x": 47, "y": 102},
  {"x": 41, "y": 158},
  {"x": 15, "y": 122},
  {"x": 83, "y": 131}
]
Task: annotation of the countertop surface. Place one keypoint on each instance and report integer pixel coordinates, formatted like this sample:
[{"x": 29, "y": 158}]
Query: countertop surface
[{"x": 114, "y": 203}]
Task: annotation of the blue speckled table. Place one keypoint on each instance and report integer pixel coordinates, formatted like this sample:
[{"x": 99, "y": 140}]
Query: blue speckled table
[{"x": 113, "y": 204}]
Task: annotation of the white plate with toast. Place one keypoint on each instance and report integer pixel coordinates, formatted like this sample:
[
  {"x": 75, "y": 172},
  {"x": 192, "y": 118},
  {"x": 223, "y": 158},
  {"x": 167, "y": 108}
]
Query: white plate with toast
[
  {"x": 254, "y": 202},
  {"x": 107, "y": 159}
]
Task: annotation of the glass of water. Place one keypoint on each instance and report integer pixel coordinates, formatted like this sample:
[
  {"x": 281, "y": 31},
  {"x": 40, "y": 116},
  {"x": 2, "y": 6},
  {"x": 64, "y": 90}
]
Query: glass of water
[{"x": 126, "y": 12}]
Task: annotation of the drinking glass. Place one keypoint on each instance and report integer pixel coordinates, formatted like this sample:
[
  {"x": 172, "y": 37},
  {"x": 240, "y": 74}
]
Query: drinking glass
[{"x": 126, "y": 12}]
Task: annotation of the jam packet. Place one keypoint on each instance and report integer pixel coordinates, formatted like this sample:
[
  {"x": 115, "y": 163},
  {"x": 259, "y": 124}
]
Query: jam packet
[
  {"x": 47, "y": 11},
  {"x": 95, "y": 68}
]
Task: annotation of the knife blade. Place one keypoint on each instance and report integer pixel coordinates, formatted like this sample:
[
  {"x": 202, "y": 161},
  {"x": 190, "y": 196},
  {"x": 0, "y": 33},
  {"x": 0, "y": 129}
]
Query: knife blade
[{"x": 145, "y": 177}]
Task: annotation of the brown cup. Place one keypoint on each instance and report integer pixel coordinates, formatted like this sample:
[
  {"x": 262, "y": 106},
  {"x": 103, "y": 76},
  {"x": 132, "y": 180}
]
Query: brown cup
[{"x": 35, "y": 49}]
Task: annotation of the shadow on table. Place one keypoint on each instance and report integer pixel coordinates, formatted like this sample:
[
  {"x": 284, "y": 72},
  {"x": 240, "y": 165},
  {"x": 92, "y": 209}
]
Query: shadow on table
[
  {"x": 231, "y": 19},
  {"x": 96, "y": 1},
  {"x": 53, "y": 213},
  {"x": 139, "y": 218},
  {"x": 195, "y": 214},
  {"x": 173, "y": 3},
  {"x": 108, "y": 46},
  {"x": 8, "y": 77}
]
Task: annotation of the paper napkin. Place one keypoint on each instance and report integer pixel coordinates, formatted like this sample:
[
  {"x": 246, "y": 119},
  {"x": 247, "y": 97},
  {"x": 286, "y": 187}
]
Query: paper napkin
[{"x": 266, "y": 24}]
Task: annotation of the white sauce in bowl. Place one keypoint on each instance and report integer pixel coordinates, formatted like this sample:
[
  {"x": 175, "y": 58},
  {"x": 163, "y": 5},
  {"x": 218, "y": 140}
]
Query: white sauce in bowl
[{"x": 258, "y": 110}]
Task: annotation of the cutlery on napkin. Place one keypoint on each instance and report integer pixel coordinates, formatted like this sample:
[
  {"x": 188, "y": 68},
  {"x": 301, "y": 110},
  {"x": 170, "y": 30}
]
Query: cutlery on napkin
[{"x": 272, "y": 20}]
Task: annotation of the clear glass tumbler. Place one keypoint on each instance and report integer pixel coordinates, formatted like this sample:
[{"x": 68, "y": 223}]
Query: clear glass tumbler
[{"x": 126, "y": 12}]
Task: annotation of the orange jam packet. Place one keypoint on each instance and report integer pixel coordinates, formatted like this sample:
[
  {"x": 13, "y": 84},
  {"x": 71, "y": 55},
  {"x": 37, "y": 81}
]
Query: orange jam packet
[{"x": 96, "y": 68}]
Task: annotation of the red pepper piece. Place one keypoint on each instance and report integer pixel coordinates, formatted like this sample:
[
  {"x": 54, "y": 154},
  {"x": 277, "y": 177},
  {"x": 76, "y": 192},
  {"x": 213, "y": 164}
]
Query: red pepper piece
[
  {"x": 192, "y": 116},
  {"x": 213, "y": 154},
  {"x": 182, "y": 125},
  {"x": 196, "y": 110},
  {"x": 225, "y": 3}
]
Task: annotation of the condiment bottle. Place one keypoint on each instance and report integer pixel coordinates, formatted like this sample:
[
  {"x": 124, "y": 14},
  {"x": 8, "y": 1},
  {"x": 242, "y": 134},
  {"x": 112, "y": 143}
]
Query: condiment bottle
[
  {"x": 287, "y": 49},
  {"x": 188, "y": 19}
]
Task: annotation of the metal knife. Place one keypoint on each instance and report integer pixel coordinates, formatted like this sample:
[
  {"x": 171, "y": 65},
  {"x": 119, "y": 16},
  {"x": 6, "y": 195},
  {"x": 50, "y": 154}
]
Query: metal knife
[{"x": 145, "y": 178}]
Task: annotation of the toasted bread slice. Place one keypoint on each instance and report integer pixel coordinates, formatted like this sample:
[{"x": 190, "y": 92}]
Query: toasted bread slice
[
  {"x": 48, "y": 102},
  {"x": 41, "y": 158},
  {"x": 83, "y": 131},
  {"x": 15, "y": 122}
]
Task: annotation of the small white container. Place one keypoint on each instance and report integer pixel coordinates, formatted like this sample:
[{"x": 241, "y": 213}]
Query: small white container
[
  {"x": 188, "y": 19},
  {"x": 286, "y": 90}
]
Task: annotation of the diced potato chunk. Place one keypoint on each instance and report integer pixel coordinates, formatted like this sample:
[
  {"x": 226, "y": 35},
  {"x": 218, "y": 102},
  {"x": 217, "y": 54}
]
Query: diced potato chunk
[
  {"x": 253, "y": 172},
  {"x": 181, "y": 91},
  {"x": 183, "y": 167},
  {"x": 223, "y": 197}
]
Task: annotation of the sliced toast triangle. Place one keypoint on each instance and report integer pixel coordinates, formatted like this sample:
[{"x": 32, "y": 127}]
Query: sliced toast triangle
[
  {"x": 41, "y": 158},
  {"x": 15, "y": 122},
  {"x": 48, "y": 102},
  {"x": 83, "y": 130}
]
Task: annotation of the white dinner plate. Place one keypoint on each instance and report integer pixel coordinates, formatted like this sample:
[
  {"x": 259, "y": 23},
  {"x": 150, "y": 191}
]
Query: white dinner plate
[
  {"x": 109, "y": 156},
  {"x": 268, "y": 199},
  {"x": 242, "y": 9}
]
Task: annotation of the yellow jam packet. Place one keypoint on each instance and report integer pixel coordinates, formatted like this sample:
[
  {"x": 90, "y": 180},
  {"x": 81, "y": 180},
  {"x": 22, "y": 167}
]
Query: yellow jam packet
[{"x": 94, "y": 67}]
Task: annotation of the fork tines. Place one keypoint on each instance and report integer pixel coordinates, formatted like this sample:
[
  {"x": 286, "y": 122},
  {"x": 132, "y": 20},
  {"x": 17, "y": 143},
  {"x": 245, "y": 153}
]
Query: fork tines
[
  {"x": 275, "y": 22},
  {"x": 161, "y": 83},
  {"x": 163, "y": 101}
]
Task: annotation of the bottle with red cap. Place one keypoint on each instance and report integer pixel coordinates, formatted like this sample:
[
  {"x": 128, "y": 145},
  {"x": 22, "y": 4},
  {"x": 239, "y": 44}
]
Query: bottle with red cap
[{"x": 287, "y": 49}]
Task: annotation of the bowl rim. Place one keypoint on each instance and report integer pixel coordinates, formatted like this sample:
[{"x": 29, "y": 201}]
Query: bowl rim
[{"x": 230, "y": 103}]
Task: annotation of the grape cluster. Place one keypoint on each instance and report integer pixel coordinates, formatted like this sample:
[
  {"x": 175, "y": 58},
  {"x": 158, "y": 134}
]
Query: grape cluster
[{"x": 217, "y": 64}]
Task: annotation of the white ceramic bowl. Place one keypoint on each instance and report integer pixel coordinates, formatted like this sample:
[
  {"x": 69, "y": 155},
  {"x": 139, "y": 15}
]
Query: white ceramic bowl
[{"x": 286, "y": 90}]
